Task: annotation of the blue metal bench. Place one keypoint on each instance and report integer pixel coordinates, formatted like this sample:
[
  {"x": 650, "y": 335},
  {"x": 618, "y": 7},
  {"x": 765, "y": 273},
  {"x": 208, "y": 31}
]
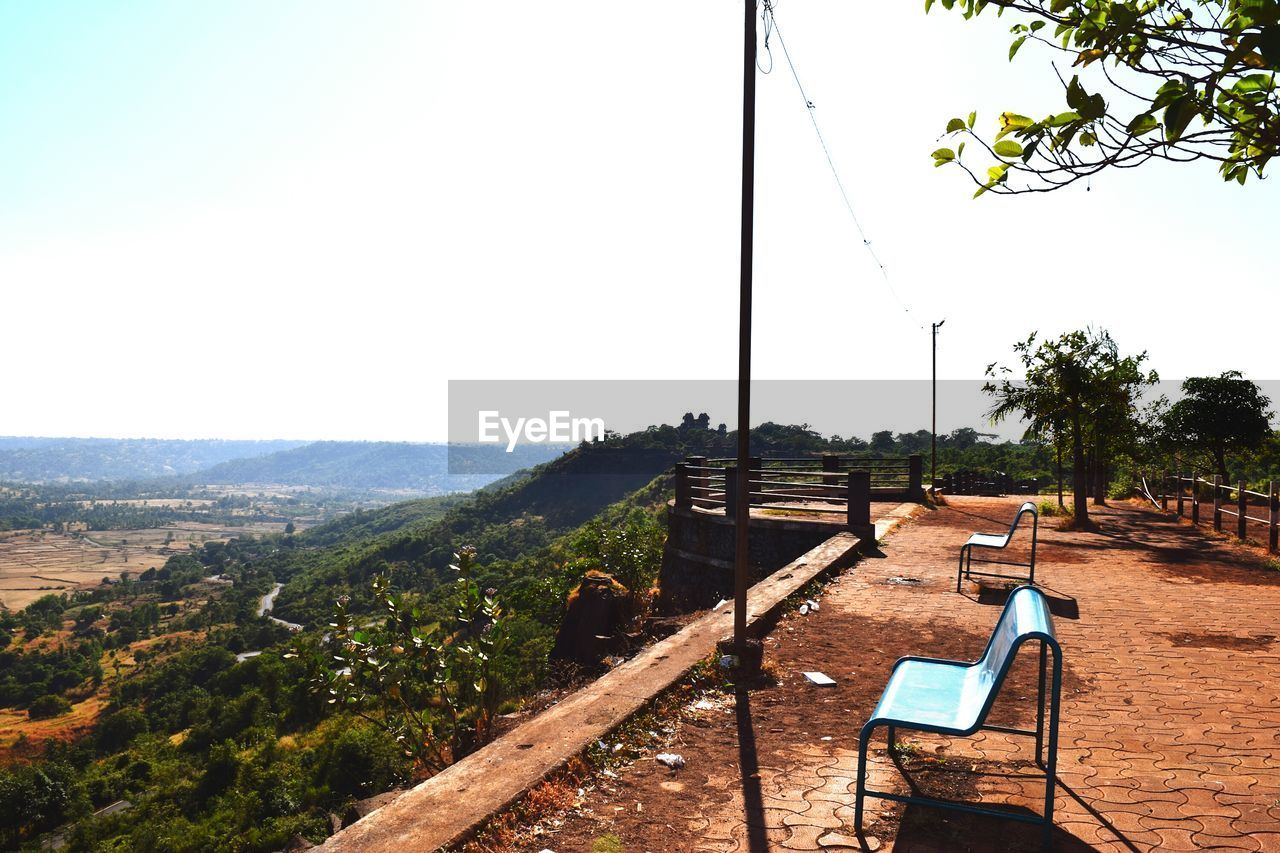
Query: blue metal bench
[
  {"x": 999, "y": 541},
  {"x": 954, "y": 697}
]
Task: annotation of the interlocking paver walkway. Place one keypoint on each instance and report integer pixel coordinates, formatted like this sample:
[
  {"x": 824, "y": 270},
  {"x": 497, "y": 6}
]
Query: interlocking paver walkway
[{"x": 1170, "y": 722}]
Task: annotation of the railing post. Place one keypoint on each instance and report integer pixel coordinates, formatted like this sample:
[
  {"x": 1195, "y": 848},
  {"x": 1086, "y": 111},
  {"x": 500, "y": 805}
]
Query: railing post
[
  {"x": 1195, "y": 498},
  {"x": 831, "y": 474},
  {"x": 1273, "y": 535},
  {"x": 697, "y": 468},
  {"x": 915, "y": 477},
  {"x": 731, "y": 491},
  {"x": 858, "y": 502},
  {"x": 1242, "y": 507},
  {"x": 756, "y": 474},
  {"x": 684, "y": 494},
  {"x": 1179, "y": 480},
  {"x": 1217, "y": 502},
  {"x": 1164, "y": 491}
]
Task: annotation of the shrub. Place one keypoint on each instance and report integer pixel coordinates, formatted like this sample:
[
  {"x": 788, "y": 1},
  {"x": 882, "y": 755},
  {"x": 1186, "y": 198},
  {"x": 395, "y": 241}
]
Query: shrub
[
  {"x": 363, "y": 761},
  {"x": 117, "y": 730},
  {"x": 1048, "y": 509},
  {"x": 48, "y": 706},
  {"x": 432, "y": 686}
]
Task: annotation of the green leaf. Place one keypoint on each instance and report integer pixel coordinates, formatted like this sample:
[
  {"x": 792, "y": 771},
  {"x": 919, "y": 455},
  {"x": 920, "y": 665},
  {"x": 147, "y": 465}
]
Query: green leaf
[
  {"x": 1087, "y": 56},
  {"x": 927, "y": 4},
  {"x": 1008, "y": 148},
  {"x": 998, "y": 173},
  {"x": 1254, "y": 83},
  {"x": 1269, "y": 44},
  {"x": 1144, "y": 123},
  {"x": 1177, "y": 116},
  {"x": 943, "y": 155},
  {"x": 954, "y": 125},
  {"x": 973, "y": 116},
  {"x": 1013, "y": 48},
  {"x": 1063, "y": 119},
  {"x": 1011, "y": 122}
]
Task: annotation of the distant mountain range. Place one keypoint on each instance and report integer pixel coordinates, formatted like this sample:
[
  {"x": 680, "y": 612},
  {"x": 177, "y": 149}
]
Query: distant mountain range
[
  {"x": 426, "y": 469},
  {"x": 49, "y": 460}
]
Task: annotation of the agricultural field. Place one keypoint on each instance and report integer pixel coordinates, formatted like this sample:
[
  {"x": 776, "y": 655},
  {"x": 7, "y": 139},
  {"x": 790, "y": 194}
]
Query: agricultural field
[{"x": 37, "y": 562}]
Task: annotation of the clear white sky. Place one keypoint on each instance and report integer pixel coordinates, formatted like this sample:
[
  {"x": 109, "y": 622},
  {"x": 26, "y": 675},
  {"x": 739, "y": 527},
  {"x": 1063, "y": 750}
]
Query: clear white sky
[{"x": 300, "y": 219}]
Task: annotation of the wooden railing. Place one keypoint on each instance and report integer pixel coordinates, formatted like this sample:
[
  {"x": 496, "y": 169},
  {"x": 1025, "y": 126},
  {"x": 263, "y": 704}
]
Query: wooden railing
[
  {"x": 1187, "y": 491},
  {"x": 828, "y": 484}
]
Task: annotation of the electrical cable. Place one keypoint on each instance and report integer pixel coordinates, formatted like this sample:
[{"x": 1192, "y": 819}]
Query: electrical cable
[{"x": 771, "y": 29}]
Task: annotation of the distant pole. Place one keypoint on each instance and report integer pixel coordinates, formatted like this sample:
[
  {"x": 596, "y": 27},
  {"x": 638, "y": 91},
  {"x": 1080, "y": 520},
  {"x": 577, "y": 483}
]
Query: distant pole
[
  {"x": 742, "y": 518},
  {"x": 933, "y": 453}
]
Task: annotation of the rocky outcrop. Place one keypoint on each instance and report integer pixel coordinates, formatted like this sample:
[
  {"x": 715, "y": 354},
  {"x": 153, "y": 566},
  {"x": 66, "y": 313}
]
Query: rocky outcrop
[{"x": 594, "y": 616}]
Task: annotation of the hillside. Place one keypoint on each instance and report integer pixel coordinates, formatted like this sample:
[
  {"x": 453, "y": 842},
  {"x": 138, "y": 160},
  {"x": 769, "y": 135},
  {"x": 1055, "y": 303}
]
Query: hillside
[
  {"x": 429, "y": 469},
  {"x": 42, "y": 460}
]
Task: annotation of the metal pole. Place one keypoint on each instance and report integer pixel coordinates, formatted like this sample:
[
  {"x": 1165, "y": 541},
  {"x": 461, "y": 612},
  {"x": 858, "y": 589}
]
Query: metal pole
[
  {"x": 933, "y": 452},
  {"x": 742, "y": 517}
]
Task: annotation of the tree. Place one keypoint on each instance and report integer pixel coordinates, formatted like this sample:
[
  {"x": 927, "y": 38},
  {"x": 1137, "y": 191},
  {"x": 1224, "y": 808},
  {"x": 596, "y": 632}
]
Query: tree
[
  {"x": 1076, "y": 387},
  {"x": 1219, "y": 415},
  {"x": 882, "y": 441},
  {"x": 1162, "y": 63}
]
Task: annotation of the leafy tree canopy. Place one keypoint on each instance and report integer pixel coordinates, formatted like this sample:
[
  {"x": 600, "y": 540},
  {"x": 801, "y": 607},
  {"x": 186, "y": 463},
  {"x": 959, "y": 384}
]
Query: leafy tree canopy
[
  {"x": 1219, "y": 415},
  {"x": 1179, "y": 80}
]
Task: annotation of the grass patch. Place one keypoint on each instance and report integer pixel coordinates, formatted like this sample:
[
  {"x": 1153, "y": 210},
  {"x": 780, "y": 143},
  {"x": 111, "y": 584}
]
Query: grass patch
[{"x": 607, "y": 844}]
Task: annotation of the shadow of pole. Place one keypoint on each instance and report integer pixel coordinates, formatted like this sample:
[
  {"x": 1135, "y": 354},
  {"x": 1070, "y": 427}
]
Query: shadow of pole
[
  {"x": 1098, "y": 816},
  {"x": 749, "y": 767}
]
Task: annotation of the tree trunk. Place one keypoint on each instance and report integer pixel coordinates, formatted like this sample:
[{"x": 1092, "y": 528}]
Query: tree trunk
[
  {"x": 1079, "y": 474},
  {"x": 1220, "y": 458},
  {"x": 1099, "y": 468},
  {"x": 1057, "y": 444}
]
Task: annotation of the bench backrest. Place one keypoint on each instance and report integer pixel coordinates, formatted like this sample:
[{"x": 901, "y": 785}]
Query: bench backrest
[
  {"x": 1025, "y": 617},
  {"x": 1027, "y": 507}
]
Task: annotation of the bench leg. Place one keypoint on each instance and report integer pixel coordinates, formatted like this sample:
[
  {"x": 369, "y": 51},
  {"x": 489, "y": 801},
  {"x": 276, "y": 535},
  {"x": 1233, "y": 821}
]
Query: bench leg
[
  {"x": 1044, "y": 654},
  {"x": 1051, "y": 768},
  {"x": 864, "y": 740},
  {"x": 960, "y": 570}
]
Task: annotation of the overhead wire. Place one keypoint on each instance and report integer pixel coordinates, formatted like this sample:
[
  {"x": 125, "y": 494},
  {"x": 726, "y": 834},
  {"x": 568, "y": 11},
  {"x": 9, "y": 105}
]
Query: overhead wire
[{"x": 771, "y": 29}]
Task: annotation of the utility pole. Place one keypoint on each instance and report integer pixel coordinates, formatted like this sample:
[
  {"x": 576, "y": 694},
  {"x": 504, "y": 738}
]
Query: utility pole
[
  {"x": 741, "y": 560},
  {"x": 933, "y": 453}
]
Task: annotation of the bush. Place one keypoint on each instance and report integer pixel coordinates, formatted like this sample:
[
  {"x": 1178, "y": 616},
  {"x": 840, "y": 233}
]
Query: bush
[
  {"x": 116, "y": 731},
  {"x": 363, "y": 761},
  {"x": 48, "y": 706},
  {"x": 1048, "y": 509}
]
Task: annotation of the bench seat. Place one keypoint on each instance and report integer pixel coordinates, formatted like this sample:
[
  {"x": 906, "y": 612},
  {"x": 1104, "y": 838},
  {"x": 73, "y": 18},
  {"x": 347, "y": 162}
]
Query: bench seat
[
  {"x": 989, "y": 540},
  {"x": 938, "y": 695}
]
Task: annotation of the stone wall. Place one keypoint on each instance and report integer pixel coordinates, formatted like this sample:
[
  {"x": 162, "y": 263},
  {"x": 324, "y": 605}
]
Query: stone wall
[{"x": 697, "y": 562}]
